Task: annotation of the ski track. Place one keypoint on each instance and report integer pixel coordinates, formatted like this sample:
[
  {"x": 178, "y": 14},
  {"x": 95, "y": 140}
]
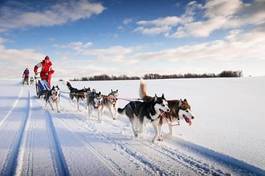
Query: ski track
[
  {"x": 10, "y": 163},
  {"x": 22, "y": 157},
  {"x": 56, "y": 148},
  {"x": 38, "y": 152},
  {"x": 13, "y": 107}
]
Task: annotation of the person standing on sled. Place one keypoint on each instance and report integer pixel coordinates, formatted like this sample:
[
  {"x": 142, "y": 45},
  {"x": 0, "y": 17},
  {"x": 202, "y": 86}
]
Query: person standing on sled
[
  {"x": 25, "y": 76},
  {"x": 46, "y": 70}
]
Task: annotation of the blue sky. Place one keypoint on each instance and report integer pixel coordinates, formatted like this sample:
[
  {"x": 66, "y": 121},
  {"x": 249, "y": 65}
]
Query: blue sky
[{"x": 86, "y": 37}]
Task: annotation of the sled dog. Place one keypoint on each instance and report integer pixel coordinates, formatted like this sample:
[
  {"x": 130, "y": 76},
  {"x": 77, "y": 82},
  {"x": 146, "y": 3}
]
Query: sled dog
[
  {"x": 99, "y": 102},
  {"x": 179, "y": 109},
  {"x": 52, "y": 96},
  {"x": 94, "y": 101},
  {"x": 78, "y": 94},
  {"x": 138, "y": 112}
]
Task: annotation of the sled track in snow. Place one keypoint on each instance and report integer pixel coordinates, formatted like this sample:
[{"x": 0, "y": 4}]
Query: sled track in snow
[
  {"x": 110, "y": 165},
  {"x": 13, "y": 107},
  {"x": 56, "y": 150},
  {"x": 58, "y": 159},
  {"x": 153, "y": 166},
  {"x": 148, "y": 166},
  {"x": 12, "y": 162},
  {"x": 187, "y": 161}
]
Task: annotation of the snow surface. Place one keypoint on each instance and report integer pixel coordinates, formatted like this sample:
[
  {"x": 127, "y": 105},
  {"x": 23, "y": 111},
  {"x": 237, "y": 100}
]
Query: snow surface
[{"x": 226, "y": 137}]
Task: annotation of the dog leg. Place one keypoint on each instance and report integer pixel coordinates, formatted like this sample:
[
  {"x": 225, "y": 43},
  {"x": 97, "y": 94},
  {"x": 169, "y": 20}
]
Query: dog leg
[
  {"x": 112, "y": 111},
  {"x": 99, "y": 114},
  {"x": 170, "y": 130},
  {"x": 133, "y": 127},
  {"x": 77, "y": 101},
  {"x": 155, "y": 125},
  {"x": 160, "y": 137},
  {"x": 57, "y": 106},
  {"x": 46, "y": 104},
  {"x": 51, "y": 105},
  {"x": 89, "y": 111}
]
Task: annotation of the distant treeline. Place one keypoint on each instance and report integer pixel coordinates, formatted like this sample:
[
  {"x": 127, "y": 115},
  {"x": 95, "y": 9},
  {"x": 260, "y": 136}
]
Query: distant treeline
[{"x": 102, "y": 77}]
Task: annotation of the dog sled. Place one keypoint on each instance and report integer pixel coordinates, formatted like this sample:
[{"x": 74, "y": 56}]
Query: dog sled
[{"x": 41, "y": 87}]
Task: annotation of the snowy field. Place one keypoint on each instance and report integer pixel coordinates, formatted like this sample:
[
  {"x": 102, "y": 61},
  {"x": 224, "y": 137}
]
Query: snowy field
[{"x": 226, "y": 136}]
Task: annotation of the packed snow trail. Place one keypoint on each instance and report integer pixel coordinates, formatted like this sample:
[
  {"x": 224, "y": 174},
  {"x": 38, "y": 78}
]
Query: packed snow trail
[
  {"x": 11, "y": 131},
  {"x": 151, "y": 158},
  {"x": 38, "y": 141}
]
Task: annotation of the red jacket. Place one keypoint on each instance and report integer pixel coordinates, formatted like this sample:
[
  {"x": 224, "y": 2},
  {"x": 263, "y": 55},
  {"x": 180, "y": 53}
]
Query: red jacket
[{"x": 46, "y": 70}]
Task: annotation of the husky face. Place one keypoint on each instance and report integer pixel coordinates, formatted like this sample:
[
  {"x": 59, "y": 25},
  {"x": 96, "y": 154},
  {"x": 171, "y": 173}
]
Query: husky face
[
  {"x": 97, "y": 99},
  {"x": 161, "y": 104},
  {"x": 55, "y": 91},
  {"x": 115, "y": 93},
  {"x": 185, "y": 111}
]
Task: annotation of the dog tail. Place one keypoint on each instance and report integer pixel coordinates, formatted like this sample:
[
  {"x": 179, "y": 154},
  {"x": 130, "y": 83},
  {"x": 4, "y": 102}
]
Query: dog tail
[
  {"x": 142, "y": 89},
  {"x": 121, "y": 110},
  {"x": 68, "y": 84}
]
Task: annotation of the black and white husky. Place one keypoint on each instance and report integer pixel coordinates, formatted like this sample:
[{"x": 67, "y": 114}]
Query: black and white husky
[
  {"x": 52, "y": 96},
  {"x": 99, "y": 102},
  {"x": 94, "y": 101},
  {"x": 138, "y": 112},
  {"x": 179, "y": 109}
]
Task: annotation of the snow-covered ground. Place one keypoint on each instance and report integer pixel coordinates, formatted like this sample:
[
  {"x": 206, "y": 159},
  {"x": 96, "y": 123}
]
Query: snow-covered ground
[{"x": 226, "y": 137}]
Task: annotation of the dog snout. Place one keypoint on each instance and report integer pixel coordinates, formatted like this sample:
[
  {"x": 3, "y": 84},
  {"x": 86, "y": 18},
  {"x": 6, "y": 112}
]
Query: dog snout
[
  {"x": 192, "y": 117},
  {"x": 168, "y": 109}
]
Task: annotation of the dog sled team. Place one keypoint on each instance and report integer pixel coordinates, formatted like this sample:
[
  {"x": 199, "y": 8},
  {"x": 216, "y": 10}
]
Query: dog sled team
[{"x": 154, "y": 109}]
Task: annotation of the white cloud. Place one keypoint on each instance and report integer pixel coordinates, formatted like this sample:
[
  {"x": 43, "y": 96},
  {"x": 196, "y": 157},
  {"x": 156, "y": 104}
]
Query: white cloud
[
  {"x": 59, "y": 13},
  {"x": 237, "y": 45},
  {"x": 127, "y": 21},
  {"x": 157, "y": 26},
  {"x": 14, "y": 61},
  {"x": 215, "y": 15},
  {"x": 113, "y": 53},
  {"x": 239, "y": 50}
]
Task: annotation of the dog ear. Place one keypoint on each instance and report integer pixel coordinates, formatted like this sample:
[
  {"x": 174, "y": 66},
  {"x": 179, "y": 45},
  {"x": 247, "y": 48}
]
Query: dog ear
[
  {"x": 180, "y": 103},
  {"x": 155, "y": 98},
  {"x": 163, "y": 96},
  {"x": 99, "y": 93},
  {"x": 185, "y": 100}
]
